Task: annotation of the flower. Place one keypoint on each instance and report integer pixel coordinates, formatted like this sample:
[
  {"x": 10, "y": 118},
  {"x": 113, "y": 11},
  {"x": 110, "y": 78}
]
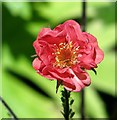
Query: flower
[{"x": 65, "y": 53}]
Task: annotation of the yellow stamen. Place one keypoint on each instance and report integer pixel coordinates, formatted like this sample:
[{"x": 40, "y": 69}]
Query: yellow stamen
[{"x": 66, "y": 55}]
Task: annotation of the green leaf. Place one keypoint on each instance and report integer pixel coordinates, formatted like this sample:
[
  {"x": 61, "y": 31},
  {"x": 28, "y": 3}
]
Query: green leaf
[
  {"x": 34, "y": 27},
  {"x": 24, "y": 101},
  {"x": 22, "y": 9},
  {"x": 71, "y": 102},
  {"x": 105, "y": 80},
  {"x": 95, "y": 107},
  {"x": 59, "y": 11}
]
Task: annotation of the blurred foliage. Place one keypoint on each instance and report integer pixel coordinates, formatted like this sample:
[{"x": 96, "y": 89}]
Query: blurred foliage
[{"x": 29, "y": 94}]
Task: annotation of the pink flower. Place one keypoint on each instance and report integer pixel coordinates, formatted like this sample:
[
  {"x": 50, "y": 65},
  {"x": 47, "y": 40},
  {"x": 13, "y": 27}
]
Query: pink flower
[{"x": 65, "y": 53}]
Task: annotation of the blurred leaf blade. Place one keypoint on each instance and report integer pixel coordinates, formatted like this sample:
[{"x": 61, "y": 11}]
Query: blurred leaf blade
[
  {"x": 95, "y": 107},
  {"x": 21, "y": 9}
]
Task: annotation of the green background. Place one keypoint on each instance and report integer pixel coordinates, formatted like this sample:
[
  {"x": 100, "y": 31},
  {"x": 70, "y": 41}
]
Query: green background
[{"x": 29, "y": 94}]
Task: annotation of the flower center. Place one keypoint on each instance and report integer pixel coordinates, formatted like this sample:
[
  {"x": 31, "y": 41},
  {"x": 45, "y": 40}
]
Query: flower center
[{"x": 66, "y": 55}]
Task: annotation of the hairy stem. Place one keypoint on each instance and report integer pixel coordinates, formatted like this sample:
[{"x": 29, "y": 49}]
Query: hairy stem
[{"x": 67, "y": 104}]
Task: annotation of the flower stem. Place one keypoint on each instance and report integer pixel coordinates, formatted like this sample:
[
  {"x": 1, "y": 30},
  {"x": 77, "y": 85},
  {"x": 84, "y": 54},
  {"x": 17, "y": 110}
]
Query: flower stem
[
  {"x": 8, "y": 108},
  {"x": 67, "y": 104}
]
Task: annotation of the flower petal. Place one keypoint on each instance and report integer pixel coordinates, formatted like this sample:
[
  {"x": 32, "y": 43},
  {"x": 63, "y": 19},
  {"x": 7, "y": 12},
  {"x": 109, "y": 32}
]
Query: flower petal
[
  {"x": 51, "y": 36},
  {"x": 64, "y": 54},
  {"x": 87, "y": 61},
  {"x": 36, "y": 46},
  {"x": 36, "y": 64},
  {"x": 43, "y": 32},
  {"x": 68, "y": 86},
  {"x": 65, "y": 76},
  {"x": 93, "y": 42}
]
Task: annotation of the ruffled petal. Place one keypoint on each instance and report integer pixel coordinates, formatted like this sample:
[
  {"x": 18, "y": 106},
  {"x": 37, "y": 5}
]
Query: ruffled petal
[
  {"x": 93, "y": 42},
  {"x": 36, "y": 64},
  {"x": 63, "y": 76},
  {"x": 87, "y": 61},
  {"x": 36, "y": 46},
  {"x": 67, "y": 39},
  {"x": 43, "y": 32},
  {"x": 51, "y": 36}
]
